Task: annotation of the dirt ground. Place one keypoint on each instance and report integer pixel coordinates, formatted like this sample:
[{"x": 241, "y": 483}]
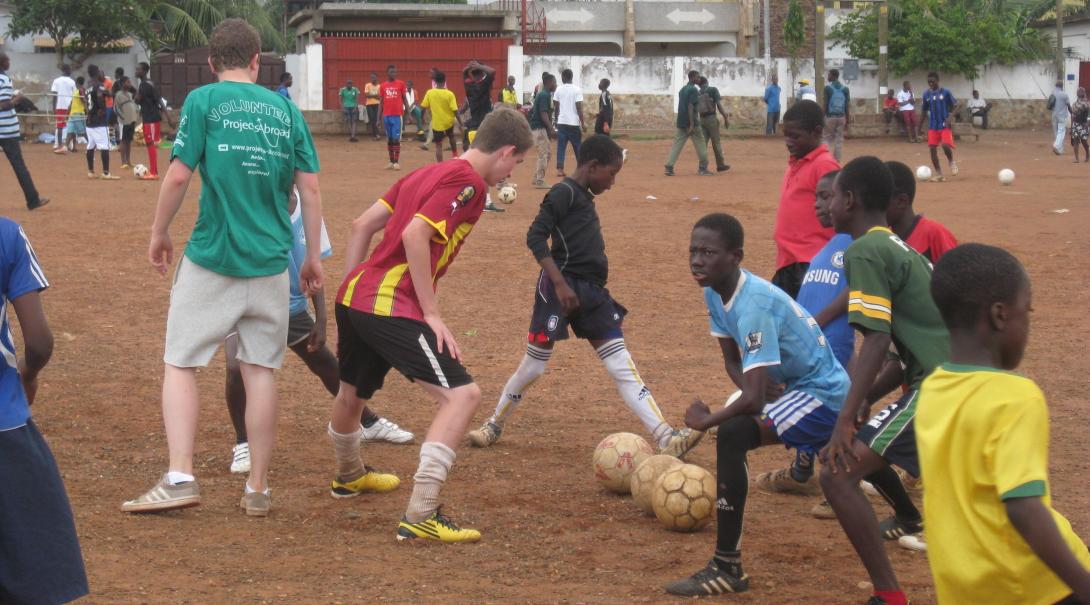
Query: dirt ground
[{"x": 551, "y": 534}]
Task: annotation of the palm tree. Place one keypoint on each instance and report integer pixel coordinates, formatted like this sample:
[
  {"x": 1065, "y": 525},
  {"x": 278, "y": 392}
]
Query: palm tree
[{"x": 182, "y": 24}]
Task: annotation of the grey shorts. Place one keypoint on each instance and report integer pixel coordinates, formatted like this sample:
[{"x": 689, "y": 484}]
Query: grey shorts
[
  {"x": 205, "y": 307},
  {"x": 299, "y": 327}
]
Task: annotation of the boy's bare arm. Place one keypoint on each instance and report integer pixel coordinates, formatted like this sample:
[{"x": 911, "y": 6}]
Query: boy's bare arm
[
  {"x": 364, "y": 228},
  {"x": 1034, "y": 522},
  {"x": 310, "y": 196},
  {"x": 316, "y": 338},
  {"x": 171, "y": 194},
  {"x": 417, "y": 241},
  {"x": 37, "y": 340},
  {"x": 872, "y": 356},
  {"x": 836, "y": 308}
]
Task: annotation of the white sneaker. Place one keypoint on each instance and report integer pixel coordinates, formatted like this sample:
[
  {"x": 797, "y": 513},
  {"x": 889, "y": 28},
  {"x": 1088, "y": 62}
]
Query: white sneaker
[
  {"x": 241, "y": 462},
  {"x": 384, "y": 430}
]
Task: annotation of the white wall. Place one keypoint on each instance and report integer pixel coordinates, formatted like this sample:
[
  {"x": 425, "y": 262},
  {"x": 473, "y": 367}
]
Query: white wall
[{"x": 307, "y": 77}]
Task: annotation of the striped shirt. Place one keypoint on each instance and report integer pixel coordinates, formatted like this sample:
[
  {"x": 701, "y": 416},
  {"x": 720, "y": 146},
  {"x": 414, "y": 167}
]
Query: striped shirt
[{"x": 9, "y": 124}]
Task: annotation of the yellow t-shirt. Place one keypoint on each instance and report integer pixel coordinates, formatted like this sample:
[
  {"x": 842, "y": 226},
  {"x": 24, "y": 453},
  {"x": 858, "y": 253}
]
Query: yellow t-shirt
[
  {"x": 371, "y": 89},
  {"x": 443, "y": 105},
  {"x": 510, "y": 97},
  {"x": 982, "y": 436},
  {"x": 77, "y": 107}
]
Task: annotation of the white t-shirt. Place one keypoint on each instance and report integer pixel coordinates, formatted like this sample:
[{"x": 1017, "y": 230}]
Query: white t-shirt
[
  {"x": 902, "y": 96},
  {"x": 977, "y": 103},
  {"x": 567, "y": 95},
  {"x": 63, "y": 87}
]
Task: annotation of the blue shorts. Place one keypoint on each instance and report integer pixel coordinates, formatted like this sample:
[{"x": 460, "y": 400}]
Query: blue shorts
[
  {"x": 801, "y": 420},
  {"x": 393, "y": 128},
  {"x": 598, "y": 316},
  {"x": 40, "y": 560}
]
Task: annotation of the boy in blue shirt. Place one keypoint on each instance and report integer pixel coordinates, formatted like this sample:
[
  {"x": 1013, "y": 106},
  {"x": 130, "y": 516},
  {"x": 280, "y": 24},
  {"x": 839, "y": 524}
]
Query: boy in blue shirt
[
  {"x": 772, "y": 103},
  {"x": 40, "y": 560},
  {"x": 307, "y": 339},
  {"x": 939, "y": 105},
  {"x": 767, "y": 340}
]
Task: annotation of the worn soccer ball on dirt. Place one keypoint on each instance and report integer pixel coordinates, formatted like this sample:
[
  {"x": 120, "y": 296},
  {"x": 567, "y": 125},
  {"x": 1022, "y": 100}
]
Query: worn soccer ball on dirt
[
  {"x": 508, "y": 194},
  {"x": 140, "y": 171},
  {"x": 643, "y": 480},
  {"x": 1006, "y": 176},
  {"x": 923, "y": 173},
  {"x": 617, "y": 457},
  {"x": 684, "y": 498}
]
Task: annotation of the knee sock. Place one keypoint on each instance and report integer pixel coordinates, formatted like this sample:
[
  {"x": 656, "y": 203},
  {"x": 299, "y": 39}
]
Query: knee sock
[
  {"x": 346, "y": 447},
  {"x": 893, "y": 491},
  {"x": 395, "y": 152},
  {"x": 736, "y": 437},
  {"x": 153, "y": 158},
  {"x": 530, "y": 369},
  {"x": 105, "y": 161},
  {"x": 368, "y": 418},
  {"x": 435, "y": 462},
  {"x": 803, "y": 467},
  {"x": 90, "y": 160},
  {"x": 636, "y": 395}
]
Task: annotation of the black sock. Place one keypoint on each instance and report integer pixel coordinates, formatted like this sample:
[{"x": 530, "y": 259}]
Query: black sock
[
  {"x": 889, "y": 486},
  {"x": 369, "y": 418},
  {"x": 729, "y": 561},
  {"x": 803, "y": 467},
  {"x": 736, "y": 437},
  {"x": 105, "y": 161},
  {"x": 90, "y": 160}
]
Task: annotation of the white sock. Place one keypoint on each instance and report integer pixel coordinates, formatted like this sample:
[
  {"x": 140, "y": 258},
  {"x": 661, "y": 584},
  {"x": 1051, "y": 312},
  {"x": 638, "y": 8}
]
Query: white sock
[
  {"x": 174, "y": 478},
  {"x": 435, "y": 462},
  {"x": 635, "y": 393},
  {"x": 530, "y": 369},
  {"x": 347, "y": 450}
]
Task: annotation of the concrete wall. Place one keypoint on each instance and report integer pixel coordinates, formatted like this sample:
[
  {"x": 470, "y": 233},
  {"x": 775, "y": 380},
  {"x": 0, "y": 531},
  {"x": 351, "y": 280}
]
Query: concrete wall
[{"x": 307, "y": 77}]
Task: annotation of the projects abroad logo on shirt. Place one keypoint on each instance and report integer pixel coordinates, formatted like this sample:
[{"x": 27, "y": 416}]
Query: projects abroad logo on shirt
[{"x": 246, "y": 116}]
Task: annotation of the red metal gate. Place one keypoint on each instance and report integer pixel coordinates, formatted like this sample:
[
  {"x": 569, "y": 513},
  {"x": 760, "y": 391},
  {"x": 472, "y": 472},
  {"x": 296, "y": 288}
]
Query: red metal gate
[
  {"x": 414, "y": 56},
  {"x": 1084, "y": 74}
]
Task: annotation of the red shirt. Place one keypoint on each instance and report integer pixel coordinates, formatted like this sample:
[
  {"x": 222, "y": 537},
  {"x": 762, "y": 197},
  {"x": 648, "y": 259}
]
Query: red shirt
[
  {"x": 450, "y": 197},
  {"x": 930, "y": 238},
  {"x": 799, "y": 236},
  {"x": 889, "y": 103},
  {"x": 392, "y": 94}
]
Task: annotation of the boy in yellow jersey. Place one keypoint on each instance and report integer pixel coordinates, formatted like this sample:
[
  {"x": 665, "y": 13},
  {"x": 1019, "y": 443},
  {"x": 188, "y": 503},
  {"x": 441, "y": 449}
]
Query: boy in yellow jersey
[
  {"x": 442, "y": 105},
  {"x": 982, "y": 434},
  {"x": 388, "y": 317}
]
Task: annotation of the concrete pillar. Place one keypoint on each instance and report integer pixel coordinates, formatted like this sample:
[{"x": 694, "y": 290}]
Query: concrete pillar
[
  {"x": 516, "y": 66},
  {"x": 629, "y": 42},
  {"x": 315, "y": 75}
]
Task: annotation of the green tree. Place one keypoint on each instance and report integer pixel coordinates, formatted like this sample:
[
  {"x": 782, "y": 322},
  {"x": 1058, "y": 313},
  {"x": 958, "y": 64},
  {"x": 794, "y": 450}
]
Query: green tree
[
  {"x": 183, "y": 24},
  {"x": 79, "y": 28},
  {"x": 794, "y": 35},
  {"x": 952, "y": 36}
]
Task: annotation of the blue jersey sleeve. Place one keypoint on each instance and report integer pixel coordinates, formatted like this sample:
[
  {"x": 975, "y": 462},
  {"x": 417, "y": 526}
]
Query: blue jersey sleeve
[
  {"x": 716, "y": 318},
  {"x": 760, "y": 341},
  {"x": 23, "y": 272}
]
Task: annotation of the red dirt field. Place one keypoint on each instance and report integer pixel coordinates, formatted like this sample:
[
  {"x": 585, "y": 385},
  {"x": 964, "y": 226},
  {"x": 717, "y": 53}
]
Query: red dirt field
[{"x": 551, "y": 534}]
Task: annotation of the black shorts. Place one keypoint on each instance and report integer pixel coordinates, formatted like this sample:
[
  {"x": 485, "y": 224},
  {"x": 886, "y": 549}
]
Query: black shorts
[
  {"x": 127, "y": 132},
  {"x": 891, "y": 433},
  {"x": 437, "y": 136},
  {"x": 789, "y": 278},
  {"x": 598, "y": 316},
  {"x": 40, "y": 560},
  {"x": 369, "y": 345}
]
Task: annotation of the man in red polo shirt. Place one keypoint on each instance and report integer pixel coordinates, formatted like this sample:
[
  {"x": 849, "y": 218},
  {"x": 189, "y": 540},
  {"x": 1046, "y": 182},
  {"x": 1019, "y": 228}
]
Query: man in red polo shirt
[
  {"x": 392, "y": 92},
  {"x": 799, "y": 236}
]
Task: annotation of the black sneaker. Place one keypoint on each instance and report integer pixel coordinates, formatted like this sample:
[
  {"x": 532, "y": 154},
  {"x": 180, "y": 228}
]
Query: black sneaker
[
  {"x": 669, "y": 171},
  {"x": 705, "y": 172},
  {"x": 723, "y": 168},
  {"x": 708, "y": 582},
  {"x": 893, "y": 528},
  {"x": 490, "y": 207},
  {"x": 41, "y": 202}
]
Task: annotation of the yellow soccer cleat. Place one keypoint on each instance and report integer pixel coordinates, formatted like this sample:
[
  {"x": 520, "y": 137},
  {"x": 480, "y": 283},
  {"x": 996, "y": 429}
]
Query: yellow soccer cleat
[
  {"x": 370, "y": 481},
  {"x": 437, "y": 527}
]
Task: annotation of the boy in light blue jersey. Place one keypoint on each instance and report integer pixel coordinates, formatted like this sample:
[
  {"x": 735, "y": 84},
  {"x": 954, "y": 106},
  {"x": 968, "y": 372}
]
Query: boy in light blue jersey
[
  {"x": 773, "y": 349},
  {"x": 307, "y": 339}
]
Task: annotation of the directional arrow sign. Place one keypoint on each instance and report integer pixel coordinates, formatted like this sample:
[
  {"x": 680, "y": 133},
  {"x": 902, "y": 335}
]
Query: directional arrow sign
[
  {"x": 679, "y": 16},
  {"x": 580, "y": 15}
]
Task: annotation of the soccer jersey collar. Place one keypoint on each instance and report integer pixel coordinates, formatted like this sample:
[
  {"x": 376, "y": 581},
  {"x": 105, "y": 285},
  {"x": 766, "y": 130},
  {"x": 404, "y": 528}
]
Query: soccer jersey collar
[
  {"x": 879, "y": 228},
  {"x": 963, "y": 368},
  {"x": 737, "y": 288},
  {"x": 820, "y": 149}
]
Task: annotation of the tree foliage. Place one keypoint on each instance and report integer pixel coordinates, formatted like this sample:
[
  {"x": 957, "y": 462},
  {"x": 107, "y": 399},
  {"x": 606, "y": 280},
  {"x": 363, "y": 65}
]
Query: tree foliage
[
  {"x": 183, "y": 24},
  {"x": 951, "y": 36},
  {"x": 79, "y": 28},
  {"x": 794, "y": 29}
]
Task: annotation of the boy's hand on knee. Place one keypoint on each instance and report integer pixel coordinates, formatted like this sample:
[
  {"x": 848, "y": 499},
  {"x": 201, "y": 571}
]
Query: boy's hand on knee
[{"x": 839, "y": 452}]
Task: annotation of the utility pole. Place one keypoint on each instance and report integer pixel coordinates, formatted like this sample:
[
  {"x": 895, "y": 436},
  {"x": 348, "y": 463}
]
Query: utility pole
[
  {"x": 819, "y": 51},
  {"x": 883, "y": 52},
  {"x": 1060, "y": 40},
  {"x": 768, "y": 36},
  {"x": 629, "y": 29}
]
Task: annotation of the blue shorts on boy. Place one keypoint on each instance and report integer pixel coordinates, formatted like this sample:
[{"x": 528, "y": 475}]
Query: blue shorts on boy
[
  {"x": 824, "y": 281},
  {"x": 40, "y": 560},
  {"x": 393, "y": 127},
  {"x": 774, "y": 332},
  {"x": 598, "y": 317}
]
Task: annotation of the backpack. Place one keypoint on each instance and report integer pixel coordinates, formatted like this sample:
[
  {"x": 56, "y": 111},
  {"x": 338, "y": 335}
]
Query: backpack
[
  {"x": 838, "y": 100},
  {"x": 704, "y": 104}
]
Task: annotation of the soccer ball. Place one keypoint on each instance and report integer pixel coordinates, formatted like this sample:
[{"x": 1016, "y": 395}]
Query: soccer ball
[
  {"x": 923, "y": 173},
  {"x": 616, "y": 457},
  {"x": 1006, "y": 176},
  {"x": 684, "y": 498},
  {"x": 643, "y": 480},
  {"x": 508, "y": 194},
  {"x": 140, "y": 171}
]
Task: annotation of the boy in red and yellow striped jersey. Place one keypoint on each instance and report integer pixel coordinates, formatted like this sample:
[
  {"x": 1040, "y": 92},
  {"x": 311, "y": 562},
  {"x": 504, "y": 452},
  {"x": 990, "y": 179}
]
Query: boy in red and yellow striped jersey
[{"x": 388, "y": 316}]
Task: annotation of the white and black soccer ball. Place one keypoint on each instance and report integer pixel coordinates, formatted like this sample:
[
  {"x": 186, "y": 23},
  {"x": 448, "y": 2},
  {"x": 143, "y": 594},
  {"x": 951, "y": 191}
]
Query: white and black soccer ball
[
  {"x": 508, "y": 194},
  {"x": 140, "y": 171}
]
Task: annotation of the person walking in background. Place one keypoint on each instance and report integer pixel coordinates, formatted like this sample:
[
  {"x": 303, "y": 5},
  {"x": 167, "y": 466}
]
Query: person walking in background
[
  {"x": 805, "y": 92},
  {"x": 541, "y": 126},
  {"x": 285, "y": 84},
  {"x": 1080, "y": 112},
  {"x": 128, "y": 114},
  {"x": 906, "y": 105},
  {"x": 688, "y": 127},
  {"x": 350, "y": 105},
  {"x": 151, "y": 104},
  {"x": 568, "y": 100},
  {"x": 61, "y": 92},
  {"x": 708, "y": 103},
  {"x": 772, "y": 105},
  {"x": 603, "y": 124},
  {"x": 371, "y": 102},
  {"x": 76, "y": 125},
  {"x": 1060, "y": 104},
  {"x": 10, "y": 137},
  {"x": 837, "y": 103}
]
